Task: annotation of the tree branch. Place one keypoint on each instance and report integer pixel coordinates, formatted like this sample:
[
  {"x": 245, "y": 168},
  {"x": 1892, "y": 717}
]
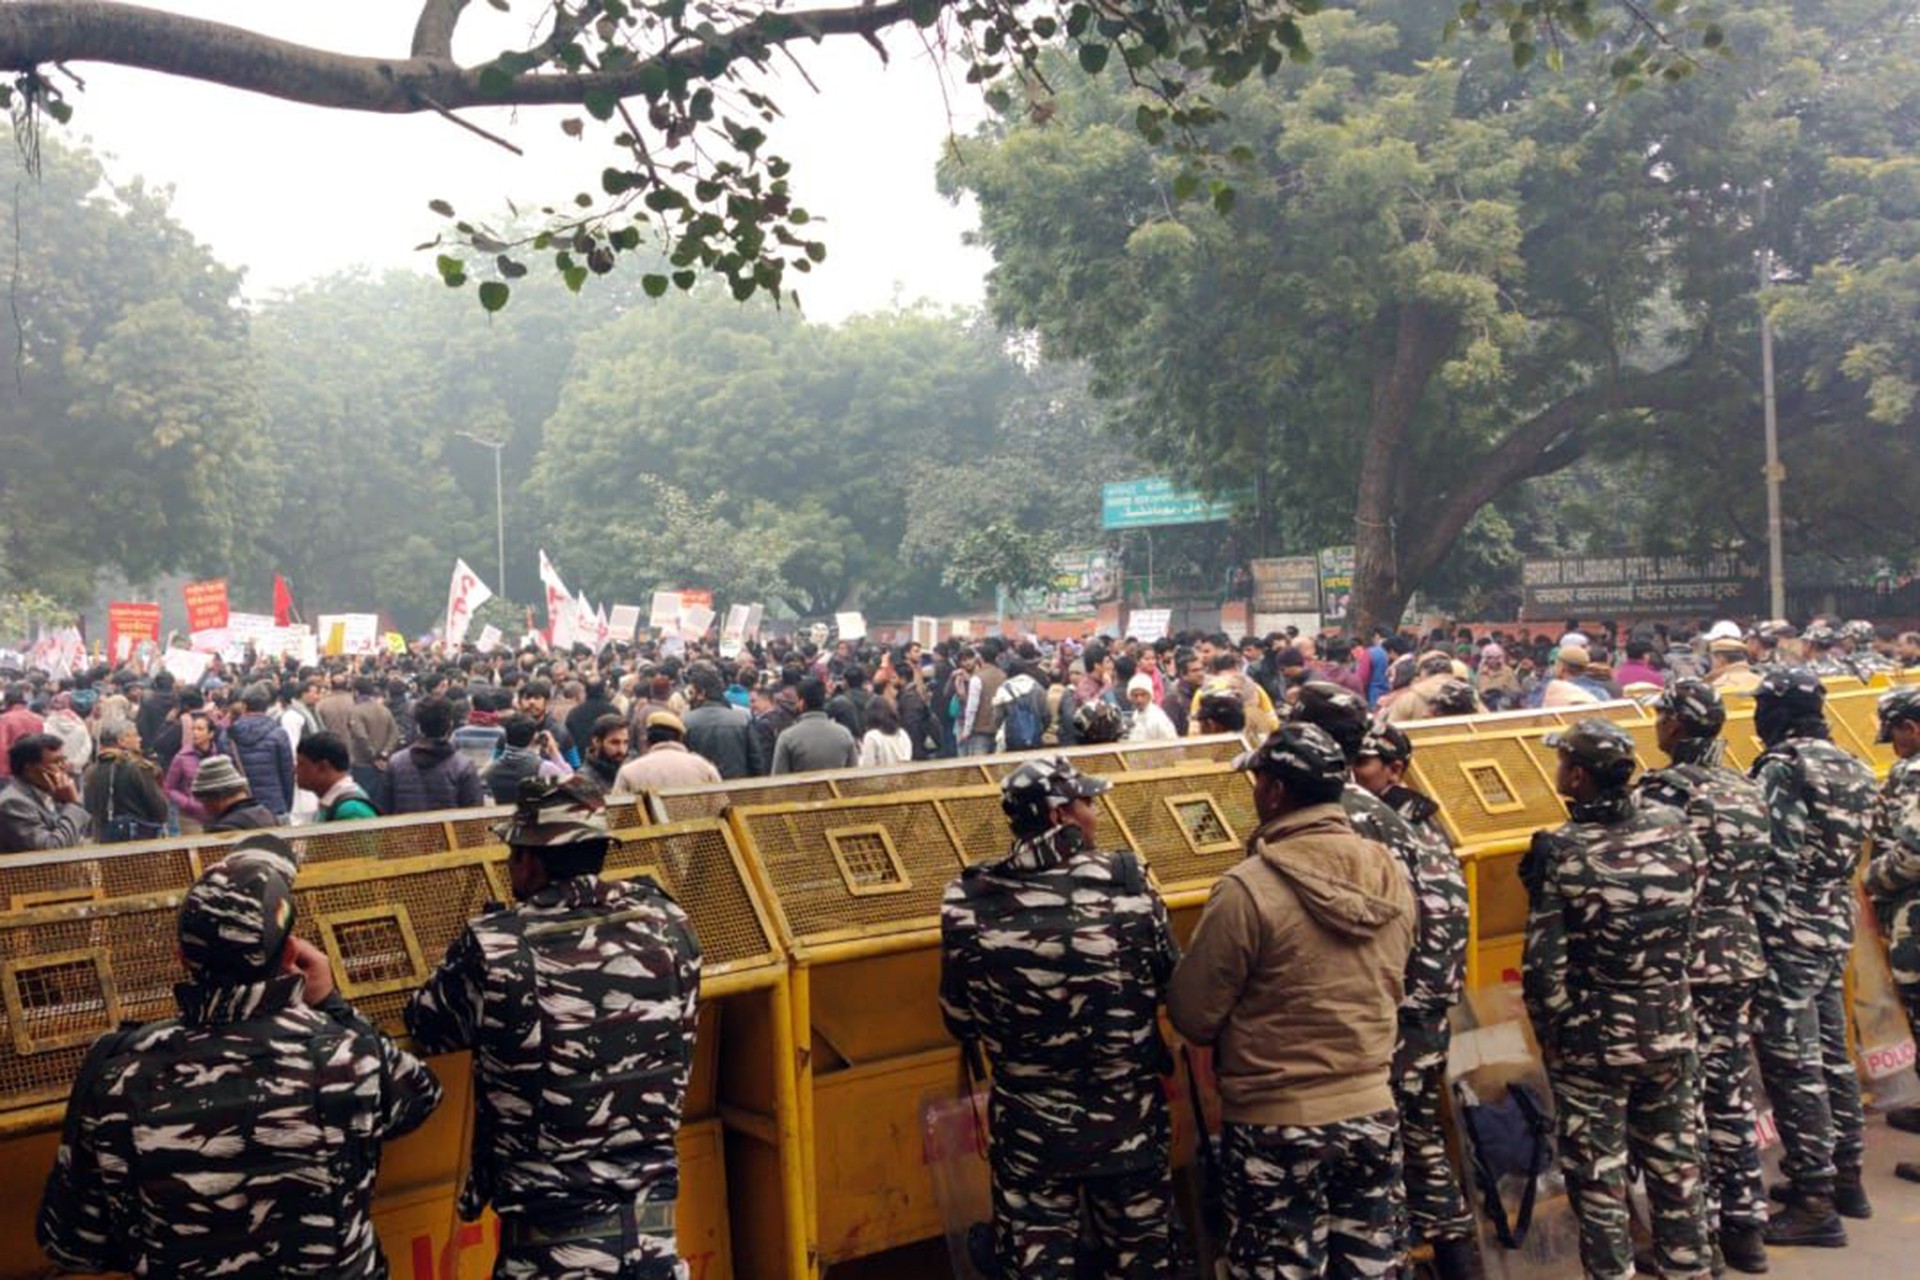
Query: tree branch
[
  {"x": 433, "y": 33},
  {"x": 37, "y": 32},
  {"x": 1550, "y": 440}
]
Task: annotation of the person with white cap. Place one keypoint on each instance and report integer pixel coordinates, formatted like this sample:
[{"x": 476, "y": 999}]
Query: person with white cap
[
  {"x": 1728, "y": 670},
  {"x": 1150, "y": 723}
]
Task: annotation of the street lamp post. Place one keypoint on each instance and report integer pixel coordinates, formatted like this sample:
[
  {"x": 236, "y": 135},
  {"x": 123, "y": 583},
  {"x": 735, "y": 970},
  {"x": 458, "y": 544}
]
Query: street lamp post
[
  {"x": 1775, "y": 473},
  {"x": 499, "y": 505}
]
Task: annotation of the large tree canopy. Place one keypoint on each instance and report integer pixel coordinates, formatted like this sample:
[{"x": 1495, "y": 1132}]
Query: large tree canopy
[
  {"x": 129, "y": 420},
  {"x": 685, "y": 91},
  {"x": 1433, "y": 278}
]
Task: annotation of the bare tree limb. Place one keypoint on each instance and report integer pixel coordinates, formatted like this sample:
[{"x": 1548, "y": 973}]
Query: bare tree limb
[
  {"x": 433, "y": 32},
  {"x": 37, "y": 32}
]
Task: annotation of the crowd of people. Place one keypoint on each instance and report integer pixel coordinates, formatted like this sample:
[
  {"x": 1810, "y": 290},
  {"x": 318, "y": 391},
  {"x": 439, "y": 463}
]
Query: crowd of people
[{"x": 118, "y": 754}]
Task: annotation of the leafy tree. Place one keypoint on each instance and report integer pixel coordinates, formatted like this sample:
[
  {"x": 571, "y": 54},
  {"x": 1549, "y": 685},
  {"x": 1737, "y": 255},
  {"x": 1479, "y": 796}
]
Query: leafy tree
[
  {"x": 1000, "y": 554},
  {"x": 1428, "y": 282},
  {"x": 683, "y": 92},
  {"x": 130, "y": 425},
  {"x": 810, "y": 433}
]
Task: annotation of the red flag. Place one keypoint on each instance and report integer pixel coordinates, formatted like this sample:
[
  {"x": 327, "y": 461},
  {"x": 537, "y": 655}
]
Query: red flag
[{"x": 282, "y": 602}]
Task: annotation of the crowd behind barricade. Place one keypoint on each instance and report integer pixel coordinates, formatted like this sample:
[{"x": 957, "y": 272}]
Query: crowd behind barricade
[
  {"x": 1677, "y": 921},
  {"x": 117, "y": 754}
]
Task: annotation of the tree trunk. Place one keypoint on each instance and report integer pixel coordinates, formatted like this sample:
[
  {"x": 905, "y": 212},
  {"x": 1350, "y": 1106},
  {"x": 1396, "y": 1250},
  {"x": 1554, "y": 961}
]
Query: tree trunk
[{"x": 1420, "y": 340}]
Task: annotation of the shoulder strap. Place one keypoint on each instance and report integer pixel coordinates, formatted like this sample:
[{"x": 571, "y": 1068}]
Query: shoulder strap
[{"x": 1128, "y": 873}]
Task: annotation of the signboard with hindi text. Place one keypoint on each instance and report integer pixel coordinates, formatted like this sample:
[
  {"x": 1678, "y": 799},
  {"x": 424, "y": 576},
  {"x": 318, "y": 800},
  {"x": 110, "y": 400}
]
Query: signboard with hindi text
[
  {"x": 1286, "y": 584},
  {"x": 129, "y": 623},
  {"x": 206, "y": 604},
  {"x": 1718, "y": 583},
  {"x": 1336, "y": 583},
  {"x": 1143, "y": 504}
]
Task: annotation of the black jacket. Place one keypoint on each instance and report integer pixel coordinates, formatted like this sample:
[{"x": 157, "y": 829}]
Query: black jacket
[
  {"x": 432, "y": 775},
  {"x": 722, "y": 733},
  {"x": 249, "y": 815}
]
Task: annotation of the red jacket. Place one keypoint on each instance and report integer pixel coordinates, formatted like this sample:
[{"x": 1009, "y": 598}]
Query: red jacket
[{"x": 15, "y": 725}]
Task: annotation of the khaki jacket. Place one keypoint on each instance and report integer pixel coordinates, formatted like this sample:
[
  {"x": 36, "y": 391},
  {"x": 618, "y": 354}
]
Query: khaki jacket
[{"x": 1296, "y": 972}]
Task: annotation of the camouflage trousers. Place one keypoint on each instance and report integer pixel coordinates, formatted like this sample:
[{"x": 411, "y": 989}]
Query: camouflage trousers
[
  {"x": 1305, "y": 1201},
  {"x": 1435, "y": 1208},
  {"x": 1037, "y": 1224},
  {"x": 1902, "y": 930},
  {"x": 1729, "y": 1146},
  {"x": 1603, "y": 1118},
  {"x": 641, "y": 1258},
  {"x": 1800, "y": 1031}
]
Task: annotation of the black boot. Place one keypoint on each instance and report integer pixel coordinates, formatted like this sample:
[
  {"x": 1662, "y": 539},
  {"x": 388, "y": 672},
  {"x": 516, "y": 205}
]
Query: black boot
[
  {"x": 1905, "y": 1119},
  {"x": 1745, "y": 1249},
  {"x": 1808, "y": 1219},
  {"x": 1850, "y": 1197},
  {"x": 1456, "y": 1260},
  {"x": 1907, "y": 1171}
]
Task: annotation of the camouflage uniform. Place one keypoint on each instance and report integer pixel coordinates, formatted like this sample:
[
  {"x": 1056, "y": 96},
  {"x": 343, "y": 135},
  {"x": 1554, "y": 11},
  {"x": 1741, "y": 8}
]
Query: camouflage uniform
[
  {"x": 1818, "y": 800},
  {"x": 1436, "y": 973},
  {"x": 1607, "y": 953},
  {"x": 1893, "y": 878},
  {"x": 579, "y": 1005},
  {"x": 1055, "y": 960},
  {"x": 242, "y": 1138},
  {"x": 1729, "y": 819},
  {"x": 1287, "y": 1180}
]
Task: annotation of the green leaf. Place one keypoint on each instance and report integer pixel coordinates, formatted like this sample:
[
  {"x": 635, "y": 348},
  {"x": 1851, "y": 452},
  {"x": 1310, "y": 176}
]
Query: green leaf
[
  {"x": 449, "y": 268},
  {"x": 1523, "y": 52},
  {"x": 600, "y": 104},
  {"x": 441, "y": 207},
  {"x": 575, "y": 277},
  {"x": 654, "y": 285},
  {"x": 495, "y": 81},
  {"x": 493, "y": 295},
  {"x": 1093, "y": 58}
]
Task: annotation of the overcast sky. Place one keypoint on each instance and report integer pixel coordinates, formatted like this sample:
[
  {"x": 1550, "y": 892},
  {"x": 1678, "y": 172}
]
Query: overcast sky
[{"x": 292, "y": 192}]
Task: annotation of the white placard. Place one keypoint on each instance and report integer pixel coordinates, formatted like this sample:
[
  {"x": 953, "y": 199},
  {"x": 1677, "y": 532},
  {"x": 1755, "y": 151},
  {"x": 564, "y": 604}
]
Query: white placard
[
  {"x": 755, "y": 613},
  {"x": 925, "y": 631},
  {"x": 186, "y": 665},
  {"x": 212, "y": 640},
  {"x": 960, "y": 629},
  {"x": 489, "y": 638},
  {"x": 694, "y": 621},
  {"x": 623, "y": 622},
  {"x": 733, "y": 634},
  {"x": 664, "y": 614},
  {"x": 851, "y": 626},
  {"x": 1148, "y": 625}
]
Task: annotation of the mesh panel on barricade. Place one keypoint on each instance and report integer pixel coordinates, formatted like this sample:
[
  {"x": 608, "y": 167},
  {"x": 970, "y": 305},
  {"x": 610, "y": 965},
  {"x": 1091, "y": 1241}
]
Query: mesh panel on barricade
[
  {"x": 70, "y": 974},
  {"x": 123, "y": 871},
  {"x": 1191, "y": 751},
  {"x": 1489, "y": 788},
  {"x": 858, "y": 867},
  {"x": 920, "y": 778},
  {"x": 696, "y": 863},
  {"x": 1188, "y": 825},
  {"x": 680, "y": 805}
]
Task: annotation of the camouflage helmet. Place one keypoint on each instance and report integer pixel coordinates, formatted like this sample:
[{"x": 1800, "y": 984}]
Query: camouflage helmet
[
  {"x": 1695, "y": 704},
  {"x": 1901, "y": 704},
  {"x": 1775, "y": 630},
  {"x": 1098, "y": 721},
  {"x": 1038, "y": 787},
  {"x": 1793, "y": 690},
  {"x": 1859, "y": 631},
  {"x": 1221, "y": 703},
  {"x": 1389, "y": 744},
  {"x": 1297, "y": 752},
  {"x": 1339, "y": 711},
  {"x": 555, "y": 812},
  {"x": 235, "y": 919},
  {"x": 1454, "y": 698},
  {"x": 1819, "y": 635},
  {"x": 1601, "y": 747}
]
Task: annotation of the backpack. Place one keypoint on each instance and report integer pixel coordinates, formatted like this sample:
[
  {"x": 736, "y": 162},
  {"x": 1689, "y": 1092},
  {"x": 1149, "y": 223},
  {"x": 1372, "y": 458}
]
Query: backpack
[{"x": 1026, "y": 723}]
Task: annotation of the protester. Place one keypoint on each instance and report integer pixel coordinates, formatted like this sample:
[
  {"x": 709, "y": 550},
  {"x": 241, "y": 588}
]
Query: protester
[
  {"x": 1150, "y": 723},
  {"x": 123, "y": 792},
  {"x": 667, "y": 762},
  {"x": 814, "y": 742},
  {"x": 527, "y": 751},
  {"x": 885, "y": 742},
  {"x": 431, "y": 774},
  {"x": 323, "y": 766},
  {"x": 39, "y": 802},
  {"x": 223, "y": 794},
  {"x": 17, "y": 721},
  {"x": 607, "y": 752}
]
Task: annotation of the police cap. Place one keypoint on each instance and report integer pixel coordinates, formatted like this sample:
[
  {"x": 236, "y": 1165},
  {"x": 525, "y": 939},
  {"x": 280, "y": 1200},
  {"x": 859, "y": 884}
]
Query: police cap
[
  {"x": 1098, "y": 721},
  {"x": 1901, "y": 704},
  {"x": 1297, "y": 752},
  {"x": 235, "y": 919},
  {"x": 1601, "y": 747},
  {"x": 1695, "y": 704},
  {"x": 1793, "y": 690},
  {"x": 555, "y": 812},
  {"x": 1038, "y": 787},
  {"x": 1389, "y": 744},
  {"x": 1338, "y": 711}
]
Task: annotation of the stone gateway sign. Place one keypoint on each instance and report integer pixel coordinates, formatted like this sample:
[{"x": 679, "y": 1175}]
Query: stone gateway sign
[{"x": 1713, "y": 584}]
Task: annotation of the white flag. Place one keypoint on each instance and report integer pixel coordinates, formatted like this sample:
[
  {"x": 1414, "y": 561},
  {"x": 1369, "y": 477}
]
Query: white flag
[
  {"x": 558, "y": 597},
  {"x": 464, "y": 596}
]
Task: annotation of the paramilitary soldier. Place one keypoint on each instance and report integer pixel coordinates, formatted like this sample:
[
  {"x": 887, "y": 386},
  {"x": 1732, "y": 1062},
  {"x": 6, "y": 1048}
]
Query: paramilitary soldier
[
  {"x": 1819, "y": 803},
  {"x": 578, "y": 1003},
  {"x": 1893, "y": 877},
  {"x": 1604, "y": 972},
  {"x": 1054, "y": 960},
  {"x": 1402, "y": 819},
  {"x": 1295, "y": 976},
  {"x": 1729, "y": 819},
  {"x": 242, "y": 1138}
]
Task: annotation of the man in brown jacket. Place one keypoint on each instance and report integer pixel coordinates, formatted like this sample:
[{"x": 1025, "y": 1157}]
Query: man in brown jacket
[{"x": 1294, "y": 977}]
